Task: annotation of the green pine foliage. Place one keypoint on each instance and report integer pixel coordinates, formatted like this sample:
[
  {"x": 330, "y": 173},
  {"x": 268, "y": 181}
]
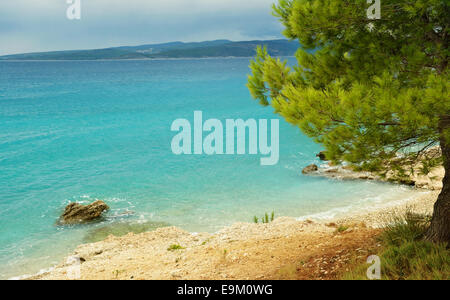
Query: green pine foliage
[{"x": 365, "y": 89}]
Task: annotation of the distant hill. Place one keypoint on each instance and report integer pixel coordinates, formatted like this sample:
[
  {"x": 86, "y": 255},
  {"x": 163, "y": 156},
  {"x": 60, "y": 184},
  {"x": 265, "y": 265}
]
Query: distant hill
[{"x": 219, "y": 48}]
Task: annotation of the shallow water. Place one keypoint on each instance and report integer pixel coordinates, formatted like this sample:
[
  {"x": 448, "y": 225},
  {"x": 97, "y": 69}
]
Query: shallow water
[{"x": 80, "y": 131}]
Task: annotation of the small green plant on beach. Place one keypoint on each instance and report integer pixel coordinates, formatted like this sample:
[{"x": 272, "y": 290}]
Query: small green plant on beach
[
  {"x": 403, "y": 229},
  {"x": 406, "y": 255},
  {"x": 116, "y": 273},
  {"x": 224, "y": 255},
  {"x": 266, "y": 219},
  {"x": 206, "y": 241},
  {"x": 175, "y": 247},
  {"x": 342, "y": 228}
]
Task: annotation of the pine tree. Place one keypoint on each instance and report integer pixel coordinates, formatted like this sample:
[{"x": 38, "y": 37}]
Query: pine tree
[{"x": 371, "y": 91}]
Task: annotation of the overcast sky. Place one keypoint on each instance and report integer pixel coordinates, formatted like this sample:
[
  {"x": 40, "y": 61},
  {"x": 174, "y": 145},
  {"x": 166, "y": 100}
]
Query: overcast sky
[{"x": 42, "y": 25}]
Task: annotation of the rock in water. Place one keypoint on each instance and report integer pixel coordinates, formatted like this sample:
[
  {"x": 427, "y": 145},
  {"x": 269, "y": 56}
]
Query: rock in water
[
  {"x": 76, "y": 213},
  {"x": 310, "y": 169},
  {"x": 322, "y": 156}
]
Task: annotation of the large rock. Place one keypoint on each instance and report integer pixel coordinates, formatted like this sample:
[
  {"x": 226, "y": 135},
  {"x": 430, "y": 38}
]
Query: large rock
[
  {"x": 76, "y": 213},
  {"x": 310, "y": 169}
]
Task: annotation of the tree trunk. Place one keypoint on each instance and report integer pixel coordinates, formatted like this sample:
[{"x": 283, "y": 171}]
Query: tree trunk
[{"x": 439, "y": 231}]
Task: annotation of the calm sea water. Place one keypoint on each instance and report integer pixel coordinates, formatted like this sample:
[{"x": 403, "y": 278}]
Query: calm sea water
[{"x": 80, "y": 131}]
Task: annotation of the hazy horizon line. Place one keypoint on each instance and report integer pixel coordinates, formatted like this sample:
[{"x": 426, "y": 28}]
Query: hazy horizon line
[{"x": 143, "y": 44}]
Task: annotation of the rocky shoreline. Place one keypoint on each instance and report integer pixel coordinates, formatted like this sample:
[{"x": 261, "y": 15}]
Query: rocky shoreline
[
  {"x": 416, "y": 178},
  {"x": 432, "y": 181},
  {"x": 242, "y": 251},
  {"x": 248, "y": 251}
]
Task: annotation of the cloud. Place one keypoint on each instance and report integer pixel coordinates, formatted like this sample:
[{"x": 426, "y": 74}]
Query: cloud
[{"x": 29, "y": 25}]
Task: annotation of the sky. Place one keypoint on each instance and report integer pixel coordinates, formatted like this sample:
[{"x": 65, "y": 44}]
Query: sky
[{"x": 42, "y": 25}]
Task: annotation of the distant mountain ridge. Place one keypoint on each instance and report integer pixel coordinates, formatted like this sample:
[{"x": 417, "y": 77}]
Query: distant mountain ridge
[{"x": 218, "y": 48}]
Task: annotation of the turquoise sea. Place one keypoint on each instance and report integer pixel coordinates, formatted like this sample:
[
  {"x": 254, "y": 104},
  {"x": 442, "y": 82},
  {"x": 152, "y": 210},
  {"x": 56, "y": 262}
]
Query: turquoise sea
[{"x": 80, "y": 131}]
